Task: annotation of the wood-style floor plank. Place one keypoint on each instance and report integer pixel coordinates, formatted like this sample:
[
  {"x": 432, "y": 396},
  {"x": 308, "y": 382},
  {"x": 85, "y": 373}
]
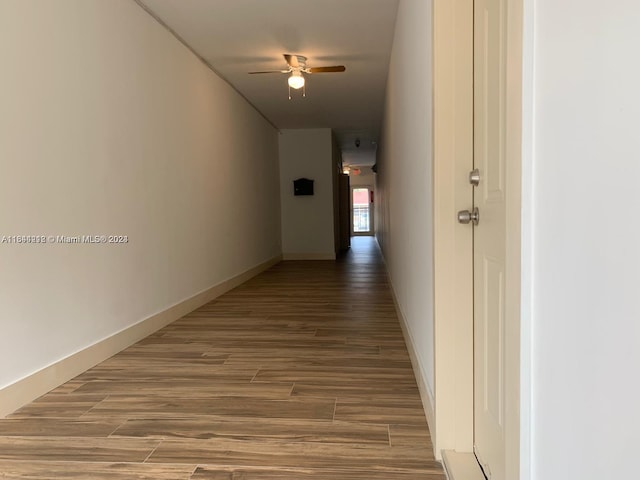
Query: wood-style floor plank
[
  {"x": 277, "y": 454},
  {"x": 410, "y": 436},
  {"x": 242, "y": 473},
  {"x": 197, "y": 388},
  {"x": 77, "y": 449},
  {"x": 57, "y": 427},
  {"x": 236, "y": 428},
  {"x": 51, "y": 405},
  {"x": 300, "y": 373},
  {"x": 41, "y": 470},
  {"x": 306, "y": 408},
  {"x": 388, "y": 411},
  {"x": 379, "y": 392}
]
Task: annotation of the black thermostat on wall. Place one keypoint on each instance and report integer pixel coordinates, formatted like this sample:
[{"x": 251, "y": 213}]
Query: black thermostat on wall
[{"x": 303, "y": 186}]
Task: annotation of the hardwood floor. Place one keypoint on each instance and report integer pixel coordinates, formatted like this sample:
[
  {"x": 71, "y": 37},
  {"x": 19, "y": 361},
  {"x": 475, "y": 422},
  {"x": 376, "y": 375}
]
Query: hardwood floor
[{"x": 300, "y": 373}]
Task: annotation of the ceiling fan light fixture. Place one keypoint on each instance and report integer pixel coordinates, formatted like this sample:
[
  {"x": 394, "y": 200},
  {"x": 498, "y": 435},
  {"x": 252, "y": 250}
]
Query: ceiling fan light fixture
[{"x": 296, "y": 80}]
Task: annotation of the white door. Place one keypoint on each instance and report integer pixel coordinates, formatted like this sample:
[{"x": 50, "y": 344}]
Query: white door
[{"x": 489, "y": 235}]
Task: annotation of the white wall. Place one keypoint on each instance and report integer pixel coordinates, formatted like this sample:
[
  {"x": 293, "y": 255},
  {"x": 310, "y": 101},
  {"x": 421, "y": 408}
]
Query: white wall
[
  {"x": 404, "y": 184},
  {"x": 365, "y": 179},
  {"x": 109, "y": 126},
  {"x": 584, "y": 247},
  {"x": 307, "y": 221}
]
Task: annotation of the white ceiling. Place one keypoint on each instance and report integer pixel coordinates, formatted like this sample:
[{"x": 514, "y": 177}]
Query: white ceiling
[{"x": 238, "y": 36}]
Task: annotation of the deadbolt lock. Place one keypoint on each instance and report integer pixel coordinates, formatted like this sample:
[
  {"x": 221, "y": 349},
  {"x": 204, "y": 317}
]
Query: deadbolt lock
[
  {"x": 466, "y": 216},
  {"x": 474, "y": 177}
]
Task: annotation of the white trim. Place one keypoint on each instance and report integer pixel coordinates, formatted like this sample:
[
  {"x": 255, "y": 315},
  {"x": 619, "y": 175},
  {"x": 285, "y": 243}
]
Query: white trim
[
  {"x": 453, "y": 306},
  {"x": 514, "y": 218},
  {"x": 426, "y": 395},
  {"x": 37, "y": 384},
  {"x": 309, "y": 256},
  {"x": 526, "y": 306},
  {"x": 453, "y": 246},
  {"x": 461, "y": 466}
]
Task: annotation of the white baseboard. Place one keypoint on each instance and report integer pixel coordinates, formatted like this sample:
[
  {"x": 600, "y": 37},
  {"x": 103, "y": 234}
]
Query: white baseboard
[
  {"x": 425, "y": 394},
  {"x": 37, "y": 384},
  {"x": 309, "y": 256}
]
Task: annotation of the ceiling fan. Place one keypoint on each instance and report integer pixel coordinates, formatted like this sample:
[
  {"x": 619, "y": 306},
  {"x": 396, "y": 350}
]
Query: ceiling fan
[{"x": 297, "y": 67}]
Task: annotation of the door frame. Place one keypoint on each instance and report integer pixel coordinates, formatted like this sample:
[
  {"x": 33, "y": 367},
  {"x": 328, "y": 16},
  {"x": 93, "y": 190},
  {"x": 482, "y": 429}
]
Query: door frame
[{"x": 451, "y": 421}]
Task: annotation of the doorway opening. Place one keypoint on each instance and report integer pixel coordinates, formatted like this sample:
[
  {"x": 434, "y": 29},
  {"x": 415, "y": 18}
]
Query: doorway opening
[{"x": 362, "y": 215}]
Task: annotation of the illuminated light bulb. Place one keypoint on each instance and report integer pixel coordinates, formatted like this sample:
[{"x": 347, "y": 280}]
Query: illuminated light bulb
[{"x": 296, "y": 80}]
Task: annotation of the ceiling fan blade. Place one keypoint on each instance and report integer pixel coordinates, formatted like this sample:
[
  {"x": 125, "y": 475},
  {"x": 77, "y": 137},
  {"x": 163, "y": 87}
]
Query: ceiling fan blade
[
  {"x": 270, "y": 71},
  {"x": 336, "y": 68}
]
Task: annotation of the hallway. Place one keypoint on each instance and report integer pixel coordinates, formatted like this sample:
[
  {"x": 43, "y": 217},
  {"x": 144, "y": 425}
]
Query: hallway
[{"x": 302, "y": 372}]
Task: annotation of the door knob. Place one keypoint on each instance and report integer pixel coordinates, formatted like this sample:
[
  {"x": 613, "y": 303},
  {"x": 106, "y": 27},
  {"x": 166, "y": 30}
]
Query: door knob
[{"x": 466, "y": 216}]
